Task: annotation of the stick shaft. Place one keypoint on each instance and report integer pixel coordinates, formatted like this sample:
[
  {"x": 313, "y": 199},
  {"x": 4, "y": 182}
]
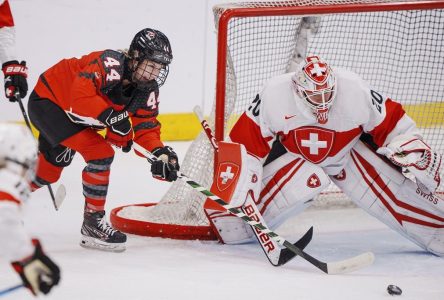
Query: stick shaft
[
  {"x": 344, "y": 266},
  {"x": 10, "y": 289}
]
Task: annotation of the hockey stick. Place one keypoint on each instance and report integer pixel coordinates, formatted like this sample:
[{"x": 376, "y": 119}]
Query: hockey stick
[
  {"x": 61, "y": 190},
  {"x": 10, "y": 289},
  {"x": 339, "y": 267},
  {"x": 276, "y": 255}
]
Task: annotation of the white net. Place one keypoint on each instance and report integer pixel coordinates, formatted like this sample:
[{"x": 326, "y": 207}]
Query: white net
[{"x": 400, "y": 53}]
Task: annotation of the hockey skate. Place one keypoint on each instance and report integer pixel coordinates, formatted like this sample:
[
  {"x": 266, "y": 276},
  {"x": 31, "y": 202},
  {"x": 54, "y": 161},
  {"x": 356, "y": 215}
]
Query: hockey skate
[{"x": 98, "y": 234}]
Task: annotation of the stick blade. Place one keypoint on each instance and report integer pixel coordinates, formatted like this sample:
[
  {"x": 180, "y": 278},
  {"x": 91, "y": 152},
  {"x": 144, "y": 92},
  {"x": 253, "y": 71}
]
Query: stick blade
[
  {"x": 59, "y": 196},
  {"x": 286, "y": 254},
  {"x": 351, "y": 264}
]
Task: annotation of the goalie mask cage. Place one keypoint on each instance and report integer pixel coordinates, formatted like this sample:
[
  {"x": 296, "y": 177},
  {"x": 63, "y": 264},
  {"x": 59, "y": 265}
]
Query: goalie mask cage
[{"x": 397, "y": 46}]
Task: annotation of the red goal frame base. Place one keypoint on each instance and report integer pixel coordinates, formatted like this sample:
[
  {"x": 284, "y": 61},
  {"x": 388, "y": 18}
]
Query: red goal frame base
[{"x": 173, "y": 231}]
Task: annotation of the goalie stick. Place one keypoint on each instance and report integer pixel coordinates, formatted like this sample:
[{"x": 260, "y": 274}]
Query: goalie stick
[
  {"x": 339, "y": 267},
  {"x": 275, "y": 254},
  {"x": 61, "y": 190}
]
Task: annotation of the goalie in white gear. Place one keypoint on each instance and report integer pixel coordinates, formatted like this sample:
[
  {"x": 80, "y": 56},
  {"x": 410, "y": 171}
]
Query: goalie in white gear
[
  {"x": 18, "y": 156},
  {"x": 314, "y": 137}
]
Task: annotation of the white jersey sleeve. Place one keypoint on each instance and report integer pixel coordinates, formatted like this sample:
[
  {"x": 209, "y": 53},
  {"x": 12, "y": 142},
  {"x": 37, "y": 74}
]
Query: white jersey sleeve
[
  {"x": 253, "y": 130},
  {"x": 7, "y": 34},
  {"x": 14, "y": 190},
  {"x": 387, "y": 118},
  {"x": 16, "y": 243}
]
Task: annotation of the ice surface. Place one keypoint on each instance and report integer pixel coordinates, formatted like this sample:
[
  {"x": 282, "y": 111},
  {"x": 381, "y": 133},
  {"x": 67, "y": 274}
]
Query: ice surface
[{"x": 154, "y": 268}]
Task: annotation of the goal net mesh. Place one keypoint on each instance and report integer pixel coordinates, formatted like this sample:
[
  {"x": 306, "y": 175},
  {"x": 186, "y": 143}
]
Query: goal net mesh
[{"x": 400, "y": 53}]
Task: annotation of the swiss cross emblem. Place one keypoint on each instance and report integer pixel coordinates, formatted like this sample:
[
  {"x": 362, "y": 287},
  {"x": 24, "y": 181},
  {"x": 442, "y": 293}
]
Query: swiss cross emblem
[
  {"x": 226, "y": 174},
  {"x": 314, "y": 143},
  {"x": 341, "y": 176},
  {"x": 313, "y": 181},
  {"x": 317, "y": 71}
]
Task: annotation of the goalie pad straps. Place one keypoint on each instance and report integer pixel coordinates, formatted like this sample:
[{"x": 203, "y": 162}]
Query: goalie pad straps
[{"x": 417, "y": 157}]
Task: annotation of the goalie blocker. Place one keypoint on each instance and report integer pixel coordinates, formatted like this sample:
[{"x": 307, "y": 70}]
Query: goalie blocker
[{"x": 286, "y": 186}]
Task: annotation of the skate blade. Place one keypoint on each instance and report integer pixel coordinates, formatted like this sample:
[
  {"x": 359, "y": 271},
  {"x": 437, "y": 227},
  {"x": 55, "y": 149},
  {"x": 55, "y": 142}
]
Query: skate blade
[{"x": 92, "y": 243}]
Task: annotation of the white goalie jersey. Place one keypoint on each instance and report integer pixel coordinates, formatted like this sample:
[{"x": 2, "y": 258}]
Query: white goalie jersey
[
  {"x": 278, "y": 112},
  {"x": 318, "y": 152}
]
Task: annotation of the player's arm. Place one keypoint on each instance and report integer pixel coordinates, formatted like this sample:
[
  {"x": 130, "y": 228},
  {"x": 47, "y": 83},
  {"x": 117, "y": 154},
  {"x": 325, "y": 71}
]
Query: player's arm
[
  {"x": 147, "y": 134},
  {"x": 398, "y": 138},
  {"x": 15, "y": 73},
  {"x": 88, "y": 104},
  {"x": 252, "y": 130},
  {"x": 37, "y": 271},
  {"x": 7, "y": 33}
]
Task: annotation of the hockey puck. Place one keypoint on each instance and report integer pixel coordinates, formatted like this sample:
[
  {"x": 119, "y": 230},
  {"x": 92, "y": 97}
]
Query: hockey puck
[{"x": 394, "y": 290}]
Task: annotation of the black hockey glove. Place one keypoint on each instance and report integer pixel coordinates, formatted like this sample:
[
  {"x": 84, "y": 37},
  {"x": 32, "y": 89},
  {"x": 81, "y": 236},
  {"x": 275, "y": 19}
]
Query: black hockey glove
[
  {"x": 119, "y": 130},
  {"x": 167, "y": 165},
  {"x": 38, "y": 272},
  {"x": 15, "y": 79}
]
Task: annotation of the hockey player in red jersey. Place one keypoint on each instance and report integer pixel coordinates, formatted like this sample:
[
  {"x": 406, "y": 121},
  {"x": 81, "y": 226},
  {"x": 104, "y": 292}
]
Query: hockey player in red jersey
[
  {"x": 15, "y": 72},
  {"x": 304, "y": 129},
  {"x": 112, "y": 90},
  {"x": 18, "y": 156}
]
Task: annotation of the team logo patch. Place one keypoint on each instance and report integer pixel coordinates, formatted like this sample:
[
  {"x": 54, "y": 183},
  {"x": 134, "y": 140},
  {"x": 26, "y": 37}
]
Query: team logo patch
[
  {"x": 341, "y": 176},
  {"x": 317, "y": 72},
  {"x": 314, "y": 143},
  {"x": 313, "y": 181},
  {"x": 226, "y": 174}
]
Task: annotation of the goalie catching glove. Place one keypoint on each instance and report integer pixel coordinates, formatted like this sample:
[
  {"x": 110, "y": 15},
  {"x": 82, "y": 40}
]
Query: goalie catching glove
[
  {"x": 167, "y": 165},
  {"x": 119, "y": 131},
  {"x": 417, "y": 157},
  {"x": 38, "y": 272}
]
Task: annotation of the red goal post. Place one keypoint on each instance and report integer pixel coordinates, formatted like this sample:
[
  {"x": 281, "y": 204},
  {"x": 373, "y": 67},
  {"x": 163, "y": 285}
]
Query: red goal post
[
  {"x": 397, "y": 46},
  {"x": 225, "y": 13}
]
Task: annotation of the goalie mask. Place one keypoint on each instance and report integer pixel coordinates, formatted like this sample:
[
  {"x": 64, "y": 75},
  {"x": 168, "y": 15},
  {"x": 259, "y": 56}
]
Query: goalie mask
[
  {"x": 150, "y": 54},
  {"x": 18, "y": 150},
  {"x": 315, "y": 82}
]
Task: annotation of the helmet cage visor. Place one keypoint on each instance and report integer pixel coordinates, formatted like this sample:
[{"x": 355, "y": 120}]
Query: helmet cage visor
[
  {"x": 146, "y": 71},
  {"x": 319, "y": 99}
]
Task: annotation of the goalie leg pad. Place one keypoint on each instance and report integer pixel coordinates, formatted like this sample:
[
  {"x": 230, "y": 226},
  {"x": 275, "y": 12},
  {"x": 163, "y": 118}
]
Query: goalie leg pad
[
  {"x": 288, "y": 186},
  {"x": 382, "y": 191}
]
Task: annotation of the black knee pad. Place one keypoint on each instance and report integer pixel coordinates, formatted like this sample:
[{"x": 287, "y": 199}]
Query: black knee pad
[{"x": 59, "y": 156}]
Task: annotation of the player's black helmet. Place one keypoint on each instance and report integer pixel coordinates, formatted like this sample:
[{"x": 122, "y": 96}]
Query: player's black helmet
[{"x": 153, "y": 45}]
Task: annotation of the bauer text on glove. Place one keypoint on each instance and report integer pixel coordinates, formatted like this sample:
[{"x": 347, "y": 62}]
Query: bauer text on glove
[{"x": 119, "y": 130}]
